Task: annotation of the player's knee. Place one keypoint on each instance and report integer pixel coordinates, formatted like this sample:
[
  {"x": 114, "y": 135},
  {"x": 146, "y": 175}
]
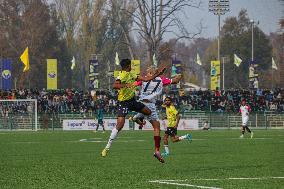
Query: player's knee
[{"x": 146, "y": 111}]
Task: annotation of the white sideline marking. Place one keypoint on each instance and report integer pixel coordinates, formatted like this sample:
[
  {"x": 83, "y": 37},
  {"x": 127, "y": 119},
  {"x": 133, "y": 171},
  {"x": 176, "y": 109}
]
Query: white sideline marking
[
  {"x": 230, "y": 178},
  {"x": 174, "y": 182},
  {"x": 178, "y": 184},
  {"x": 98, "y": 141},
  {"x": 248, "y": 137}
]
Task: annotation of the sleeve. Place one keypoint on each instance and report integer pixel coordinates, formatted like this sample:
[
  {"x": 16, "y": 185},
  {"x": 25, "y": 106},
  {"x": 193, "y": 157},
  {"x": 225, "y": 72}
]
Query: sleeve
[
  {"x": 249, "y": 108},
  {"x": 138, "y": 83},
  {"x": 166, "y": 81}
]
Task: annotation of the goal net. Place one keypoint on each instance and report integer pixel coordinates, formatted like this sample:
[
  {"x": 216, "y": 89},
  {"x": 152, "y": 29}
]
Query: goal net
[{"x": 18, "y": 114}]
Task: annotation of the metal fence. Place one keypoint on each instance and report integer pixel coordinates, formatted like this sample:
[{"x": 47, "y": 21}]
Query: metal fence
[{"x": 262, "y": 120}]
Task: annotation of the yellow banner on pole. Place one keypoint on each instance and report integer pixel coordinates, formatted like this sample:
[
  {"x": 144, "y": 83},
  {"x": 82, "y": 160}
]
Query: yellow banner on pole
[
  {"x": 135, "y": 66},
  {"x": 51, "y": 74},
  {"x": 215, "y": 75}
]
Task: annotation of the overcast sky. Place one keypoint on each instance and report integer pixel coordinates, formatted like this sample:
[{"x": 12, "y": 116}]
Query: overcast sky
[{"x": 267, "y": 12}]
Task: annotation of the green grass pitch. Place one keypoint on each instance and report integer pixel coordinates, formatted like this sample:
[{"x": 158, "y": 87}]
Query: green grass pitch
[{"x": 214, "y": 159}]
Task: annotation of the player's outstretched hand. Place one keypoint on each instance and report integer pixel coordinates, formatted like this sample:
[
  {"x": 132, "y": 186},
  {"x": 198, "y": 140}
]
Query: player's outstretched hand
[
  {"x": 162, "y": 69},
  {"x": 129, "y": 85},
  {"x": 178, "y": 77}
]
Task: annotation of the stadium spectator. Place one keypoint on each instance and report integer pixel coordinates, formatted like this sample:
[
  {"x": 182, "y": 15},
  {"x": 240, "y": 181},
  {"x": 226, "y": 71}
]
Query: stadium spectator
[{"x": 70, "y": 100}]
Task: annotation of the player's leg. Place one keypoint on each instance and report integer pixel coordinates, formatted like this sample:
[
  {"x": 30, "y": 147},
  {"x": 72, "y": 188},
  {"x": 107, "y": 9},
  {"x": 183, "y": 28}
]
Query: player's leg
[
  {"x": 248, "y": 130},
  {"x": 103, "y": 125},
  {"x": 180, "y": 138},
  {"x": 244, "y": 124},
  {"x": 166, "y": 144},
  {"x": 97, "y": 128},
  {"x": 145, "y": 110},
  {"x": 139, "y": 119},
  {"x": 122, "y": 112},
  {"x": 242, "y": 131},
  {"x": 175, "y": 138},
  {"x": 157, "y": 140}
]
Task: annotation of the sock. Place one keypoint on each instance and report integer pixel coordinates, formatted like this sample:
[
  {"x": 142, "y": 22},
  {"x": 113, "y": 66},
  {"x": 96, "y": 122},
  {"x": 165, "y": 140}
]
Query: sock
[
  {"x": 243, "y": 132},
  {"x": 157, "y": 140},
  {"x": 167, "y": 148},
  {"x": 182, "y": 137},
  {"x": 113, "y": 135}
]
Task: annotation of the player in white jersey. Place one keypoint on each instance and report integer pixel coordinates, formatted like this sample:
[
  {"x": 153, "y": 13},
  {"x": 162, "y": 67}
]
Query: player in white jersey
[
  {"x": 149, "y": 92},
  {"x": 244, "y": 111}
]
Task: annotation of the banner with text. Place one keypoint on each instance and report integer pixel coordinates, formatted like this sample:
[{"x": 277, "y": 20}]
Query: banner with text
[
  {"x": 184, "y": 124},
  {"x": 91, "y": 124},
  {"x": 51, "y": 74},
  {"x": 215, "y": 75}
]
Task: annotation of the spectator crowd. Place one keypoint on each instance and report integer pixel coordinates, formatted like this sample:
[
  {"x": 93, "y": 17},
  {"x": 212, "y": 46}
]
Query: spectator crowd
[{"x": 75, "y": 101}]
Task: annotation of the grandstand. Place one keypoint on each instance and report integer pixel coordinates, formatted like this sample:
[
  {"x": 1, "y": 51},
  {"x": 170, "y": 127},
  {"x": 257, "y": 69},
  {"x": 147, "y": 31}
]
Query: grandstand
[{"x": 54, "y": 107}]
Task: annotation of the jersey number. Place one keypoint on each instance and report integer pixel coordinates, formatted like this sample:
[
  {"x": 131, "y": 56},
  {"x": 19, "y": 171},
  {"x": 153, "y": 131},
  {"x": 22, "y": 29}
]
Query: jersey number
[{"x": 154, "y": 81}]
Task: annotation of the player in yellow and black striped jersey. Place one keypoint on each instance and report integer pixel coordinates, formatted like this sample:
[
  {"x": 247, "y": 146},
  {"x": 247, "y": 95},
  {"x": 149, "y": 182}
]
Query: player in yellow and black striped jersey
[{"x": 124, "y": 83}]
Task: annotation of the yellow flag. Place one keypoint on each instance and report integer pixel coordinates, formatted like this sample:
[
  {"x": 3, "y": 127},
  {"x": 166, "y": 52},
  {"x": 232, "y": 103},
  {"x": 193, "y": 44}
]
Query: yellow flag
[
  {"x": 274, "y": 66},
  {"x": 237, "y": 60},
  {"x": 25, "y": 59},
  {"x": 198, "y": 60}
]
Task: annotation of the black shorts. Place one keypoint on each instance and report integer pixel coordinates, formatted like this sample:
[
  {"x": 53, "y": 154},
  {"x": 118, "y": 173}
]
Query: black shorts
[
  {"x": 171, "y": 131},
  {"x": 129, "y": 105}
]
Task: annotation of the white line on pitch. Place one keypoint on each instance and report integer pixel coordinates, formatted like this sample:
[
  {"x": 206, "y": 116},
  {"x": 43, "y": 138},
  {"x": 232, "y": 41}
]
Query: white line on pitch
[
  {"x": 231, "y": 178},
  {"x": 122, "y": 141},
  {"x": 178, "y": 184}
]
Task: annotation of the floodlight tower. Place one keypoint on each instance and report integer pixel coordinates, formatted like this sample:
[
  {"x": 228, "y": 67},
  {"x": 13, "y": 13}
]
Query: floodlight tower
[{"x": 219, "y": 7}]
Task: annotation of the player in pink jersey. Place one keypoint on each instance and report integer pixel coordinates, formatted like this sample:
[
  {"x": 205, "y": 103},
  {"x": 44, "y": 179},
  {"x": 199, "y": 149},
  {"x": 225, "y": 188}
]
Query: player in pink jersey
[
  {"x": 150, "y": 90},
  {"x": 244, "y": 111}
]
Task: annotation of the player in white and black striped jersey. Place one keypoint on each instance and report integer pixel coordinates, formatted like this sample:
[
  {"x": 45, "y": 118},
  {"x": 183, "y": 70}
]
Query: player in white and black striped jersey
[{"x": 149, "y": 92}]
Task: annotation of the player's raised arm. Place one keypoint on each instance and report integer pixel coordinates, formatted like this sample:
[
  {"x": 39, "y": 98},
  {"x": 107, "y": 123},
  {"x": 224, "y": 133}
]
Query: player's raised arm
[
  {"x": 178, "y": 119},
  {"x": 157, "y": 73},
  {"x": 176, "y": 79}
]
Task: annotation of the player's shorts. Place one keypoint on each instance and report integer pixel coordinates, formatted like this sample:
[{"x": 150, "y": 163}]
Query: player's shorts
[
  {"x": 129, "y": 105},
  {"x": 171, "y": 131},
  {"x": 245, "y": 121},
  {"x": 100, "y": 122},
  {"x": 154, "y": 114}
]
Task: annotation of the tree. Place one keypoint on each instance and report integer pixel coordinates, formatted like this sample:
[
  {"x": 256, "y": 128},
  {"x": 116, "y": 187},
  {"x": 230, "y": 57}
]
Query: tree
[
  {"x": 236, "y": 39},
  {"x": 28, "y": 24},
  {"x": 153, "y": 19}
]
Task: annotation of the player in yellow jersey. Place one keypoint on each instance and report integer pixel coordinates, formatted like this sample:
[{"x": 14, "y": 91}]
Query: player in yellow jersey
[
  {"x": 173, "y": 121},
  {"x": 126, "y": 98}
]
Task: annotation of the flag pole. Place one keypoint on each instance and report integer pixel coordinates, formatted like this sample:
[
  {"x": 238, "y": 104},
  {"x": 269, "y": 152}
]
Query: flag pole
[{"x": 272, "y": 78}]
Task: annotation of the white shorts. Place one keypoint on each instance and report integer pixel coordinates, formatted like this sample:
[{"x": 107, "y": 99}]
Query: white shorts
[
  {"x": 154, "y": 114},
  {"x": 245, "y": 121}
]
